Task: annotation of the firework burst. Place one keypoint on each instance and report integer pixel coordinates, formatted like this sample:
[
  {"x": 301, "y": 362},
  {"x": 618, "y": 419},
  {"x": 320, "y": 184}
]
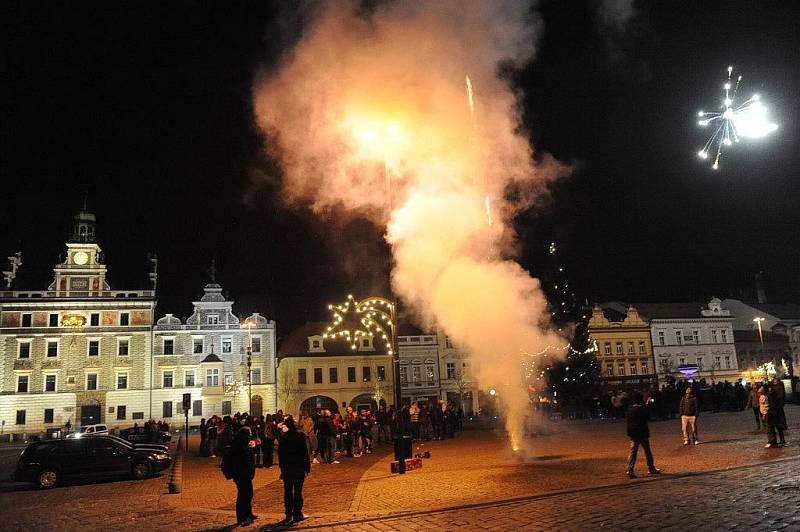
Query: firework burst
[{"x": 734, "y": 121}]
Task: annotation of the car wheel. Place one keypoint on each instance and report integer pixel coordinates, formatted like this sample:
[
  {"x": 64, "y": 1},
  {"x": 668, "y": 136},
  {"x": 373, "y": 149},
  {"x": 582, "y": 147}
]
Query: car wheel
[
  {"x": 48, "y": 478},
  {"x": 142, "y": 470}
]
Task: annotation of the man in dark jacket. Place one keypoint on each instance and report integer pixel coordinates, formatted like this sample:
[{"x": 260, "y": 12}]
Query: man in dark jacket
[
  {"x": 689, "y": 411},
  {"x": 295, "y": 465},
  {"x": 639, "y": 432},
  {"x": 239, "y": 465}
]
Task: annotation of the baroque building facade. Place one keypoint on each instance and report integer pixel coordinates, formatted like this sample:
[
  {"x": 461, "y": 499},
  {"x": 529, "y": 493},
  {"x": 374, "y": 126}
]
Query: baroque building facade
[
  {"x": 77, "y": 351},
  {"x": 625, "y": 350},
  {"x": 207, "y": 357}
]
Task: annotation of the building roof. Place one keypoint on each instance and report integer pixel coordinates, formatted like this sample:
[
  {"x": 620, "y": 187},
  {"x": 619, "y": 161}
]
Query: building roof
[
  {"x": 782, "y": 311},
  {"x": 212, "y": 358},
  {"x": 749, "y": 336},
  {"x": 295, "y": 344},
  {"x": 671, "y": 310}
]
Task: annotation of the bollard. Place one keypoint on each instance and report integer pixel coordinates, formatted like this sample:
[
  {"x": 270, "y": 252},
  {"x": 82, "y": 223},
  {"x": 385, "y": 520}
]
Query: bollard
[{"x": 176, "y": 472}]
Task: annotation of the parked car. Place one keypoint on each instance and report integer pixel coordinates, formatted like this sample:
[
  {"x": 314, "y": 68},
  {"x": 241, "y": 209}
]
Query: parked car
[
  {"x": 89, "y": 429},
  {"x": 49, "y": 463},
  {"x": 139, "y": 435}
]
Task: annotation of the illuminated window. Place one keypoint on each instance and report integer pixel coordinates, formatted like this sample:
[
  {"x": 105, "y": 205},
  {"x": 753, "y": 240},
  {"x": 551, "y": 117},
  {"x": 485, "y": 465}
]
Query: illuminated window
[{"x": 429, "y": 375}]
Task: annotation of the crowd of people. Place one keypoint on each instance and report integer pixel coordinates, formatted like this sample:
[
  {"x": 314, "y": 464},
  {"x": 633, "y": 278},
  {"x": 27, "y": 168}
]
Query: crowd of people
[
  {"x": 766, "y": 399},
  {"x": 248, "y": 442}
]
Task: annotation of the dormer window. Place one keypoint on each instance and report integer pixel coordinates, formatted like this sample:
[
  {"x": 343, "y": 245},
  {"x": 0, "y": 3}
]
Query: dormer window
[
  {"x": 212, "y": 319},
  {"x": 315, "y": 344},
  {"x": 366, "y": 342}
]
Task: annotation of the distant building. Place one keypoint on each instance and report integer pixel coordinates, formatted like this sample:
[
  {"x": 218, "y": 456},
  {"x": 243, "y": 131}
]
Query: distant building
[
  {"x": 207, "y": 357},
  {"x": 77, "y": 351},
  {"x": 780, "y": 319},
  {"x": 754, "y": 351},
  {"x": 692, "y": 336},
  {"x": 316, "y": 372},
  {"x": 625, "y": 351}
]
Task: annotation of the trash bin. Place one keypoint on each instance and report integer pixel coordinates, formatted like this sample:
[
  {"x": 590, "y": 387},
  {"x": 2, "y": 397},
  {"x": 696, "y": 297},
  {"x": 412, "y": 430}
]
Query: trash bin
[{"x": 402, "y": 447}]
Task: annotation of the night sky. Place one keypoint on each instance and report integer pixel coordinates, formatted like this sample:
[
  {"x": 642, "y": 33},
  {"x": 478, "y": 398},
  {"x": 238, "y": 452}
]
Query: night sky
[{"x": 148, "y": 109}]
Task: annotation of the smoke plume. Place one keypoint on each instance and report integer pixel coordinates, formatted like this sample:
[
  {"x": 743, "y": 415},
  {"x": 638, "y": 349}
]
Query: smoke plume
[{"x": 369, "y": 113}]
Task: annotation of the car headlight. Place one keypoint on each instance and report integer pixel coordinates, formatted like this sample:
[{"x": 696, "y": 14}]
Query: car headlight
[{"x": 162, "y": 456}]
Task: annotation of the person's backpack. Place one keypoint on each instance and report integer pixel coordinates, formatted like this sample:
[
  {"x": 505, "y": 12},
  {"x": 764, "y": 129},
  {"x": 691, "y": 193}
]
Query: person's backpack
[{"x": 227, "y": 467}]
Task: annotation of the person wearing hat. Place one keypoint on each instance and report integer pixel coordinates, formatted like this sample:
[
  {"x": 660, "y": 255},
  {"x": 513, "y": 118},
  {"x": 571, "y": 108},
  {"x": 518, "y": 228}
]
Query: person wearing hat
[{"x": 294, "y": 462}]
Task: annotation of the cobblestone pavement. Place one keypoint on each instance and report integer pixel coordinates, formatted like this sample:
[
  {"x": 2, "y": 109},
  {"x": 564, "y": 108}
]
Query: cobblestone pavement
[{"x": 570, "y": 479}]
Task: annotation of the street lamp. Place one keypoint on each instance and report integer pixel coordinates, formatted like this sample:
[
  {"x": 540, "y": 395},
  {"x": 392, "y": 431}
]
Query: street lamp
[{"x": 249, "y": 325}]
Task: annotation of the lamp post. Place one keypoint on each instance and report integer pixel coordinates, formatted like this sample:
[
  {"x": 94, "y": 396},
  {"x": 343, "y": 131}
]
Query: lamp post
[
  {"x": 758, "y": 321},
  {"x": 249, "y": 325}
]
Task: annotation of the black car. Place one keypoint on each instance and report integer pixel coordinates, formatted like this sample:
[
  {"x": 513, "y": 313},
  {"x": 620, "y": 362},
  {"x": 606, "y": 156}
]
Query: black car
[
  {"x": 50, "y": 462},
  {"x": 139, "y": 435}
]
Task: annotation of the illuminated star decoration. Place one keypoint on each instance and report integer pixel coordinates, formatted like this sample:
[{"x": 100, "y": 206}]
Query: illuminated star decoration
[
  {"x": 748, "y": 120},
  {"x": 355, "y": 320}
]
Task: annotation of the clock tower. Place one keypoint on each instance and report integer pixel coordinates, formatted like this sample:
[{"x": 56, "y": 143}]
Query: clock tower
[{"x": 82, "y": 272}]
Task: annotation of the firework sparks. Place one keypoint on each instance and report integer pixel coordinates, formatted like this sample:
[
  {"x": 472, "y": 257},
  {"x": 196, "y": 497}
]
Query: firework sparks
[{"x": 735, "y": 121}]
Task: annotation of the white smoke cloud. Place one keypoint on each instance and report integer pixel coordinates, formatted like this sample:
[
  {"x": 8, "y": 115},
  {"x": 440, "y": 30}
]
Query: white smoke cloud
[{"x": 369, "y": 104}]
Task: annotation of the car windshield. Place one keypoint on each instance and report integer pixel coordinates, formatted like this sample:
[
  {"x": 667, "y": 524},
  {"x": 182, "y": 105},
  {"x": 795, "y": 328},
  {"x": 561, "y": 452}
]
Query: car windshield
[{"x": 120, "y": 441}]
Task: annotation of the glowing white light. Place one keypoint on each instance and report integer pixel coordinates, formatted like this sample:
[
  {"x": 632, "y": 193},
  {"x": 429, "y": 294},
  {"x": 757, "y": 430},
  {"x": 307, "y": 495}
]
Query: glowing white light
[
  {"x": 747, "y": 120},
  {"x": 492, "y": 392}
]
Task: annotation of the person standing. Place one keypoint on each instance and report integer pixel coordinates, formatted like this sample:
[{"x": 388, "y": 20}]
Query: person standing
[
  {"x": 413, "y": 413},
  {"x": 769, "y": 402},
  {"x": 238, "y": 465},
  {"x": 779, "y": 392},
  {"x": 689, "y": 411},
  {"x": 295, "y": 464},
  {"x": 383, "y": 421},
  {"x": 638, "y": 431},
  {"x": 752, "y": 402}
]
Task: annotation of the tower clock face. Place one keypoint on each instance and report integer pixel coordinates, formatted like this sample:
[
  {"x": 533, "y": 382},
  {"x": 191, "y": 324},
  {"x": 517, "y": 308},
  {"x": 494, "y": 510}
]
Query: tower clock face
[{"x": 81, "y": 258}]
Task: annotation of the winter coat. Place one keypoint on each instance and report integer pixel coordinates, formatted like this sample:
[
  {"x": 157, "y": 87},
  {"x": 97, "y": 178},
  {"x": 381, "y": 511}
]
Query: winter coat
[
  {"x": 763, "y": 404},
  {"x": 637, "y": 417},
  {"x": 238, "y": 461},
  {"x": 293, "y": 453},
  {"x": 689, "y": 406}
]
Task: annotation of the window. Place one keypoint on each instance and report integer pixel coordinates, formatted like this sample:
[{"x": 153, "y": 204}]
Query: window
[
  {"x": 301, "y": 376},
  {"x": 256, "y": 344},
  {"x": 714, "y": 336},
  {"x": 22, "y": 383},
  {"x": 197, "y": 346},
  {"x": 351, "y": 374},
  {"x": 447, "y": 343},
  {"x": 94, "y": 348},
  {"x": 642, "y": 348},
  {"x": 197, "y": 407},
  {"x": 122, "y": 347},
  {"x": 727, "y": 362},
  {"x": 621, "y": 368},
  {"x": 168, "y": 346},
  {"x": 681, "y": 361},
  {"x": 122, "y": 381},
  {"x": 52, "y": 348},
  {"x": 404, "y": 375},
  {"x": 696, "y": 336},
  {"x": 700, "y": 362},
  {"x": 25, "y": 320},
  {"x": 724, "y": 333},
  {"x": 645, "y": 369},
  {"x": 365, "y": 342},
  {"x": 661, "y": 339},
  {"x": 619, "y": 348},
  {"x": 255, "y": 376},
  {"x": 429, "y": 375},
  {"x": 53, "y": 320},
  {"x": 315, "y": 344},
  {"x": 633, "y": 368},
  {"x": 124, "y": 318},
  {"x": 50, "y": 383},
  {"x": 94, "y": 319},
  {"x": 91, "y": 381},
  {"x": 317, "y": 375},
  {"x": 226, "y": 408},
  {"x": 122, "y": 411},
  {"x": 333, "y": 375},
  {"x": 71, "y": 379},
  {"x": 451, "y": 367},
  {"x": 228, "y": 379},
  {"x": 166, "y": 409},
  {"x": 679, "y": 337},
  {"x": 188, "y": 377},
  {"x": 227, "y": 345},
  {"x": 24, "y": 350},
  {"x": 416, "y": 375},
  {"x": 381, "y": 373},
  {"x": 631, "y": 351},
  {"x": 137, "y": 415},
  {"x": 20, "y": 417},
  {"x": 212, "y": 319},
  {"x": 48, "y": 415},
  {"x": 366, "y": 373},
  {"x": 610, "y": 370},
  {"x": 167, "y": 378},
  {"x": 717, "y": 362},
  {"x": 212, "y": 377}
]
